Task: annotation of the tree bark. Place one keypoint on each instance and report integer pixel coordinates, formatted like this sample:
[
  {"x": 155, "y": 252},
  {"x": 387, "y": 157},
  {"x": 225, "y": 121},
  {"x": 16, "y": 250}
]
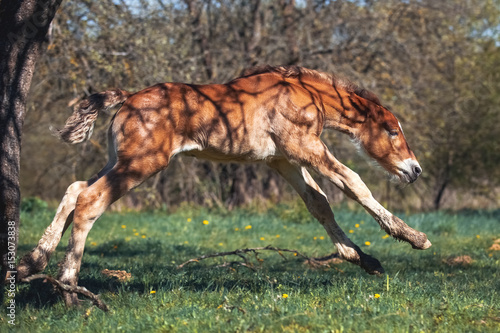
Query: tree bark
[{"x": 23, "y": 29}]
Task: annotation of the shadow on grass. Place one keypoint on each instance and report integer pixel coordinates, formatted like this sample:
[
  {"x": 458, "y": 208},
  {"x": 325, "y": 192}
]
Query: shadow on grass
[{"x": 151, "y": 266}]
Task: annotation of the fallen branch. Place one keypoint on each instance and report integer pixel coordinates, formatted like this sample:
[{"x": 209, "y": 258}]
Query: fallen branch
[
  {"x": 315, "y": 262},
  {"x": 70, "y": 289}
]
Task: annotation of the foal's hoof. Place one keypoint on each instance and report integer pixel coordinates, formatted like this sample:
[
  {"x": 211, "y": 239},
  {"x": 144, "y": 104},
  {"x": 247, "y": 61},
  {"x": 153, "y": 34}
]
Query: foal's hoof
[
  {"x": 31, "y": 263},
  {"x": 371, "y": 265},
  {"x": 423, "y": 244}
]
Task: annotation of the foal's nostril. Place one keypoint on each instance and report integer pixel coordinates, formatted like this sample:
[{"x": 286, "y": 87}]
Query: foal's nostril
[{"x": 417, "y": 170}]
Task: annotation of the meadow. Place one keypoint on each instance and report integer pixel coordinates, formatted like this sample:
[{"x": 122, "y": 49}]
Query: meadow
[{"x": 452, "y": 287}]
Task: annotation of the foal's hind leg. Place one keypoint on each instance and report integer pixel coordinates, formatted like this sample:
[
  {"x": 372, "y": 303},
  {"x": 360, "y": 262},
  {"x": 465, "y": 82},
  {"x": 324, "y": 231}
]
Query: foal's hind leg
[
  {"x": 38, "y": 258},
  {"x": 319, "y": 207},
  {"x": 91, "y": 203}
]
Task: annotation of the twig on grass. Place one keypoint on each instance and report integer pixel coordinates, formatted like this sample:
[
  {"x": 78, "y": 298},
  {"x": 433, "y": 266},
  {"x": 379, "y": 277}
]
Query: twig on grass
[
  {"x": 70, "y": 289},
  {"x": 314, "y": 262}
]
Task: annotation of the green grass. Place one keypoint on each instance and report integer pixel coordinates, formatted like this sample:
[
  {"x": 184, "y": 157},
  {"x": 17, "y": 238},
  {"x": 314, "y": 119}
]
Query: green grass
[{"x": 419, "y": 291}]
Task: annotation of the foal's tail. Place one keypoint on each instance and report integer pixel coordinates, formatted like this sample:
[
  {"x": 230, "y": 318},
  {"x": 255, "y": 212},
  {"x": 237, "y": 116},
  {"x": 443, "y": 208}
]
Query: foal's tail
[{"x": 79, "y": 126}]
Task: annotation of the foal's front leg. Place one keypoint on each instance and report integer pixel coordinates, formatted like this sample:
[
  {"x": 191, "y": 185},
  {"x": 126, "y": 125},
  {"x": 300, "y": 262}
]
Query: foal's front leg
[
  {"x": 352, "y": 185},
  {"x": 317, "y": 204},
  {"x": 355, "y": 188},
  {"x": 316, "y": 155}
]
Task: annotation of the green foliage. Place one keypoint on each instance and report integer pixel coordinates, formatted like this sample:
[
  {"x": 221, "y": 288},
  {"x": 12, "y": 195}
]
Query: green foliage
[
  {"x": 33, "y": 205},
  {"x": 420, "y": 291}
]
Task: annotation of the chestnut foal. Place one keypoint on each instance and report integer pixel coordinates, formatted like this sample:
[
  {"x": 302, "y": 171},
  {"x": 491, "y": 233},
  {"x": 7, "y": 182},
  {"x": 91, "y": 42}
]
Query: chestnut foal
[{"x": 273, "y": 115}]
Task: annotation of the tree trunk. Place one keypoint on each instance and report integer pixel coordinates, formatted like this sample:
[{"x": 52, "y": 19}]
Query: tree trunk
[{"x": 23, "y": 29}]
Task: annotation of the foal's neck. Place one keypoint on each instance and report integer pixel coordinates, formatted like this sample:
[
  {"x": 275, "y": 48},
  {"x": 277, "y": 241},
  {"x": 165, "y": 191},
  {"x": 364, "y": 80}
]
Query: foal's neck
[{"x": 346, "y": 111}]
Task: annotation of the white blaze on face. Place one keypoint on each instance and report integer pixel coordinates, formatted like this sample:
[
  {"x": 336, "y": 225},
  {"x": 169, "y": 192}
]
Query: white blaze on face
[{"x": 401, "y": 128}]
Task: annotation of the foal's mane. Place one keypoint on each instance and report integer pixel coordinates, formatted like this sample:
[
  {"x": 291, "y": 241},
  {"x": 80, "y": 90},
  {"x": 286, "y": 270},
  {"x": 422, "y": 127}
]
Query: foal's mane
[{"x": 304, "y": 73}]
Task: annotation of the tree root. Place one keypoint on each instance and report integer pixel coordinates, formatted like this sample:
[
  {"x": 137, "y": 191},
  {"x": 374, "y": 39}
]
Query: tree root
[{"x": 242, "y": 253}]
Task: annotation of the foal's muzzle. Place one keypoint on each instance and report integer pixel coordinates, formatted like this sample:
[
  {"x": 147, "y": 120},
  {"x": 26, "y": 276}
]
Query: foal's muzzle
[{"x": 409, "y": 170}]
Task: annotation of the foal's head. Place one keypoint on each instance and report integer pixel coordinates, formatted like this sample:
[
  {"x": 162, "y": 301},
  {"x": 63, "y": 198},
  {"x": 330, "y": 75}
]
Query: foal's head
[{"x": 382, "y": 137}]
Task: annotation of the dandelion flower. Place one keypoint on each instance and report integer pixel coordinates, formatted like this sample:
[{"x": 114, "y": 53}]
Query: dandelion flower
[
  {"x": 189, "y": 220},
  {"x": 143, "y": 236},
  {"x": 248, "y": 227},
  {"x": 93, "y": 243},
  {"x": 137, "y": 234},
  {"x": 356, "y": 225},
  {"x": 262, "y": 238},
  {"x": 205, "y": 222},
  {"x": 220, "y": 244},
  {"x": 377, "y": 296},
  {"x": 385, "y": 236},
  {"x": 152, "y": 292},
  {"x": 367, "y": 243},
  {"x": 127, "y": 239},
  {"x": 186, "y": 242},
  {"x": 477, "y": 236},
  {"x": 315, "y": 238},
  {"x": 285, "y": 296},
  {"x": 322, "y": 237},
  {"x": 123, "y": 226},
  {"x": 277, "y": 236},
  {"x": 236, "y": 229},
  {"x": 351, "y": 231}
]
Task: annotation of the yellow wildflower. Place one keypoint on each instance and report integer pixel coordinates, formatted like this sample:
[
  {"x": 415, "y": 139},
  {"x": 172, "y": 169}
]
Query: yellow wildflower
[
  {"x": 477, "y": 236},
  {"x": 143, "y": 236},
  {"x": 315, "y": 238},
  {"x": 123, "y": 226},
  {"x": 205, "y": 222},
  {"x": 322, "y": 237},
  {"x": 376, "y": 296},
  {"x": 152, "y": 292},
  {"x": 356, "y": 225},
  {"x": 285, "y": 296},
  {"x": 236, "y": 229},
  {"x": 385, "y": 236},
  {"x": 262, "y": 238},
  {"x": 93, "y": 243},
  {"x": 367, "y": 243},
  {"x": 248, "y": 227},
  {"x": 137, "y": 234},
  {"x": 189, "y": 220},
  {"x": 220, "y": 244},
  {"x": 351, "y": 231},
  {"x": 277, "y": 236}
]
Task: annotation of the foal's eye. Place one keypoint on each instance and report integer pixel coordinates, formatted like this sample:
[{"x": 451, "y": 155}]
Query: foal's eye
[{"x": 393, "y": 133}]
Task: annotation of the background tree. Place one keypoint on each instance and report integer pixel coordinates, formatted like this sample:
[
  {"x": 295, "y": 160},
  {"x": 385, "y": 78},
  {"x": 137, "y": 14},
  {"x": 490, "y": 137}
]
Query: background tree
[{"x": 23, "y": 29}]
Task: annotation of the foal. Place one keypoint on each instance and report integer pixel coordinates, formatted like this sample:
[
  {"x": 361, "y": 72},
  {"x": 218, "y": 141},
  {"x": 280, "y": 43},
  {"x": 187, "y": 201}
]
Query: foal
[{"x": 273, "y": 115}]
